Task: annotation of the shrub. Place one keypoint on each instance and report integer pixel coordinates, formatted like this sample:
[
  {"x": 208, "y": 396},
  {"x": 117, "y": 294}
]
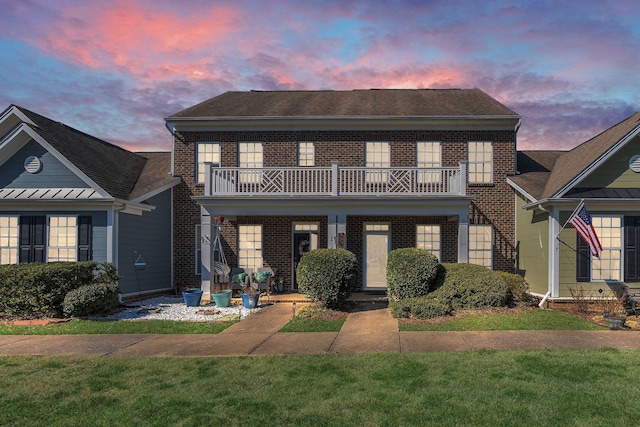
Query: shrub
[
  {"x": 425, "y": 307},
  {"x": 517, "y": 289},
  {"x": 410, "y": 273},
  {"x": 96, "y": 298},
  {"x": 33, "y": 290},
  {"x": 471, "y": 286},
  {"x": 327, "y": 275}
]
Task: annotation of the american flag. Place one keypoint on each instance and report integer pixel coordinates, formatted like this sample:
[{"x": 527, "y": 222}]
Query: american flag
[{"x": 581, "y": 221}]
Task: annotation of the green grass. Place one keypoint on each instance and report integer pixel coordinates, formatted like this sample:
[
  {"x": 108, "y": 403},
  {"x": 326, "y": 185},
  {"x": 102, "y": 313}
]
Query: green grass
[
  {"x": 313, "y": 325},
  {"x": 524, "y": 320},
  {"x": 74, "y": 327},
  {"x": 506, "y": 388}
]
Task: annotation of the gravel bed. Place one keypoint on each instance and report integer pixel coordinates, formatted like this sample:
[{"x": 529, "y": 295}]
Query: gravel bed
[{"x": 174, "y": 308}]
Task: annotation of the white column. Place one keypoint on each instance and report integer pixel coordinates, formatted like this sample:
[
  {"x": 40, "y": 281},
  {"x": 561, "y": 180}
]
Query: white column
[
  {"x": 554, "y": 253},
  {"x": 332, "y": 232},
  {"x": 205, "y": 257},
  {"x": 463, "y": 236}
]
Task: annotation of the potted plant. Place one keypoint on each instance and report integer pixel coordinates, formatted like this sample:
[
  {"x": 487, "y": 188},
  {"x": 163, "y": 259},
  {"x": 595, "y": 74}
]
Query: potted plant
[
  {"x": 278, "y": 285},
  {"x": 221, "y": 294},
  {"x": 250, "y": 296},
  {"x": 192, "y": 297},
  {"x": 613, "y": 309}
]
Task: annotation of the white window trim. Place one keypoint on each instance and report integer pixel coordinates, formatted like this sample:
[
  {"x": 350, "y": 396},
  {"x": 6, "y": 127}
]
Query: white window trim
[
  {"x": 198, "y": 163},
  {"x": 428, "y": 177},
  {"x": 311, "y": 153},
  {"x": 470, "y": 163},
  {"x": 251, "y": 176},
  {"x": 255, "y": 250},
  {"x": 471, "y": 226},
  {"x": 619, "y": 249},
  {"x": 439, "y": 252},
  {"x": 8, "y": 247},
  {"x": 377, "y": 177},
  {"x": 48, "y": 236}
]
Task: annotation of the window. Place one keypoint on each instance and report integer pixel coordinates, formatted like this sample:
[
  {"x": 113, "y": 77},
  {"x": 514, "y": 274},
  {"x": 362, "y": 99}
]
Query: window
[
  {"x": 207, "y": 152},
  {"x": 306, "y": 154},
  {"x": 428, "y": 155},
  {"x": 62, "y": 238},
  {"x": 480, "y": 245},
  {"x": 609, "y": 231},
  {"x": 480, "y": 162},
  {"x": 9, "y": 239},
  {"x": 250, "y": 246},
  {"x": 377, "y": 156},
  {"x": 428, "y": 238},
  {"x": 250, "y": 157}
]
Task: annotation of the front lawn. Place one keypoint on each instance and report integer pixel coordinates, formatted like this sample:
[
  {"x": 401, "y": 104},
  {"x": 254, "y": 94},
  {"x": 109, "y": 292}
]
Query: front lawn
[
  {"x": 74, "y": 327},
  {"x": 542, "y": 387},
  {"x": 502, "y": 320}
]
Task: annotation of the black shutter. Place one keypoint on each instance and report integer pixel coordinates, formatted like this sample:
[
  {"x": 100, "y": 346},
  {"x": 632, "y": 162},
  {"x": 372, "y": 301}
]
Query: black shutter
[
  {"x": 583, "y": 260},
  {"x": 631, "y": 253},
  {"x": 84, "y": 238},
  {"x": 33, "y": 238}
]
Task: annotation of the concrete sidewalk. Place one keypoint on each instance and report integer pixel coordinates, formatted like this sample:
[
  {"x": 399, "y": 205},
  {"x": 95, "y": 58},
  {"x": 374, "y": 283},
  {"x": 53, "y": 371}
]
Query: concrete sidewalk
[{"x": 370, "y": 330}]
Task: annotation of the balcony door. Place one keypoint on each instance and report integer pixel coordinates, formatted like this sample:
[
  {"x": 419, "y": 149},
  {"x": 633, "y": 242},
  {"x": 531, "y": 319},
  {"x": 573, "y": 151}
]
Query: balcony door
[{"x": 377, "y": 244}]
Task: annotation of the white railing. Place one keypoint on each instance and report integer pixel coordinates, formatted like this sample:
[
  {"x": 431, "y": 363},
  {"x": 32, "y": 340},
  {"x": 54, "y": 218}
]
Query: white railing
[{"x": 335, "y": 181}]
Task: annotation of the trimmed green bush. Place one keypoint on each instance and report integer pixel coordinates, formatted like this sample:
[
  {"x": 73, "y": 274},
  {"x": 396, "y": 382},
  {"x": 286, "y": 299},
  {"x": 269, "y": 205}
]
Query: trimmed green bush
[
  {"x": 471, "y": 286},
  {"x": 33, "y": 290},
  {"x": 517, "y": 287},
  {"x": 327, "y": 275},
  {"x": 426, "y": 307},
  {"x": 410, "y": 273},
  {"x": 97, "y": 298}
]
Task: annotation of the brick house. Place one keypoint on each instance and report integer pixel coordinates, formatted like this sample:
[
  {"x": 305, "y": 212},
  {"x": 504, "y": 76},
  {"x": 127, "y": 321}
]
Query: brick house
[{"x": 277, "y": 174}]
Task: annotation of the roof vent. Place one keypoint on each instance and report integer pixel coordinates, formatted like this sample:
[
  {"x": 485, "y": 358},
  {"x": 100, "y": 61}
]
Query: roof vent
[
  {"x": 634, "y": 163},
  {"x": 32, "y": 164}
]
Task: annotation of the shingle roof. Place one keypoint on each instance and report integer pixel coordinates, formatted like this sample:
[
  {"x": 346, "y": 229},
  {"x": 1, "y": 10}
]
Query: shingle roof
[
  {"x": 328, "y": 103},
  {"x": 154, "y": 175},
  {"x": 543, "y": 174},
  {"x": 114, "y": 169}
]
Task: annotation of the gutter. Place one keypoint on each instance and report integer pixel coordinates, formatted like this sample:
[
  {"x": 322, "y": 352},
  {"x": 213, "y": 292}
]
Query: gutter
[{"x": 544, "y": 299}]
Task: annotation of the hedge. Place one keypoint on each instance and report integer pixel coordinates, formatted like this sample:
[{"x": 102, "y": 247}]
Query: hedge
[
  {"x": 34, "y": 290},
  {"x": 425, "y": 307},
  {"x": 517, "y": 287},
  {"x": 327, "y": 275},
  {"x": 411, "y": 272},
  {"x": 471, "y": 286},
  {"x": 96, "y": 298}
]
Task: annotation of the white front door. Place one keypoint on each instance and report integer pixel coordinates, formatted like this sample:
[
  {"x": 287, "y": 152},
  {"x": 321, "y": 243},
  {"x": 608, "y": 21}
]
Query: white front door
[{"x": 377, "y": 243}]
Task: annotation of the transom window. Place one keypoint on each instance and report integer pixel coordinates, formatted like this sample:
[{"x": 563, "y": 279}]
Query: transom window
[
  {"x": 9, "y": 239},
  {"x": 481, "y": 244},
  {"x": 250, "y": 246},
  {"x": 377, "y": 156},
  {"x": 428, "y": 238},
  {"x": 207, "y": 152},
  {"x": 480, "y": 162},
  {"x": 428, "y": 155},
  {"x": 62, "y": 238},
  {"x": 376, "y": 227},
  {"x": 306, "y": 154},
  {"x": 609, "y": 231}
]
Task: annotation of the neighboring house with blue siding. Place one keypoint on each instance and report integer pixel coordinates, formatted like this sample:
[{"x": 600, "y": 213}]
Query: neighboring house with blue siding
[{"x": 68, "y": 196}]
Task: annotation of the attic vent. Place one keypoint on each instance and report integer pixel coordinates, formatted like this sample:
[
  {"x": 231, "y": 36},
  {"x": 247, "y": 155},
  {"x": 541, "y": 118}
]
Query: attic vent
[
  {"x": 634, "y": 163},
  {"x": 32, "y": 164}
]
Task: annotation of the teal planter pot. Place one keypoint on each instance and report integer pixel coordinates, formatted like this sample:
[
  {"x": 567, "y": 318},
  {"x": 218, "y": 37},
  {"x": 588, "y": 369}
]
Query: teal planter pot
[
  {"x": 222, "y": 299},
  {"x": 250, "y": 301},
  {"x": 192, "y": 297}
]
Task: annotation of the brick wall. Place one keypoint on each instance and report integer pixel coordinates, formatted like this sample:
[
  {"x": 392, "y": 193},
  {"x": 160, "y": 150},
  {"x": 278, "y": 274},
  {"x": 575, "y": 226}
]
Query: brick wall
[{"x": 492, "y": 204}]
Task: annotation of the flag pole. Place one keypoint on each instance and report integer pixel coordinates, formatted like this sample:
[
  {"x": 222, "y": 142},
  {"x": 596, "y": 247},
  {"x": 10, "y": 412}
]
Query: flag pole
[{"x": 570, "y": 217}]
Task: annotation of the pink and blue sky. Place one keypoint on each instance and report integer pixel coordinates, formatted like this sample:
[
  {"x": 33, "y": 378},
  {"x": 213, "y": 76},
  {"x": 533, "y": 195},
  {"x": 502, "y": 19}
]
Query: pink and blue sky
[{"x": 115, "y": 69}]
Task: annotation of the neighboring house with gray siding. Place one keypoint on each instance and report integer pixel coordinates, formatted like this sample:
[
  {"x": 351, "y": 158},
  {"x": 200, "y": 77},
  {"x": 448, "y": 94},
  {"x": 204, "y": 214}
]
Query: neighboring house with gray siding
[{"x": 68, "y": 196}]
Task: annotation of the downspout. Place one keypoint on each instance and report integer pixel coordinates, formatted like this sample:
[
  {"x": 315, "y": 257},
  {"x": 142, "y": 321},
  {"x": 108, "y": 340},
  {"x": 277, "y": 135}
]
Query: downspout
[{"x": 544, "y": 299}]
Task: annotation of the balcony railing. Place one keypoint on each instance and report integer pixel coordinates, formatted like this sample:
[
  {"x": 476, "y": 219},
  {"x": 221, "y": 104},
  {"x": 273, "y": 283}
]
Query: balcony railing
[{"x": 335, "y": 181}]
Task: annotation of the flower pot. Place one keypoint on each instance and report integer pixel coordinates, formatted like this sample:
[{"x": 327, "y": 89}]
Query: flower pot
[
  {"x": 250, "y": 300},
  {"x": 615, "y": 322},
  {"x": 278, "y": 286},
  {"x": 222, "y": 299},
  {"x": 192, "y": 297}
]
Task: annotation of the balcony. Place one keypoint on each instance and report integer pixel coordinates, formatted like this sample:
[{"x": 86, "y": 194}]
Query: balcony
[{"x": 335, "y": 181}]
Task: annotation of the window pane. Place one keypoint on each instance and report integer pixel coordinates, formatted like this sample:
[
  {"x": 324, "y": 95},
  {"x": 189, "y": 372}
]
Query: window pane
[
  {"x": 480, "y": 245},
  {"x": 609, "y": 231},
  {"x": 9, "y": 239},
  {"x": 377, "y": 156},
  {"x": 250, "y": 157},
  {"x": 250, "y": 246},
  {"x": 428, "y": 155},
  {"x": 207, "y": 152},
  {"x": 480, "y": 162},
  {"x": 428, "y": 238},
  {"x": 62, "y": 238},
  {"x": 306, "y": 154}
]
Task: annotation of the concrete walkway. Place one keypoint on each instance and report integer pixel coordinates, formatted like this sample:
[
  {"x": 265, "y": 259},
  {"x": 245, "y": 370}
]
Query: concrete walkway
[{"x": 370, "y": 330}]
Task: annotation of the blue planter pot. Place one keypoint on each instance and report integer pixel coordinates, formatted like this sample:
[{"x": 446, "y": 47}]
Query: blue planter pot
[
  {"x": 192, "y": 297},
  {"x": 222, "y": 299},
  {"x": 250, "y": 301}
]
